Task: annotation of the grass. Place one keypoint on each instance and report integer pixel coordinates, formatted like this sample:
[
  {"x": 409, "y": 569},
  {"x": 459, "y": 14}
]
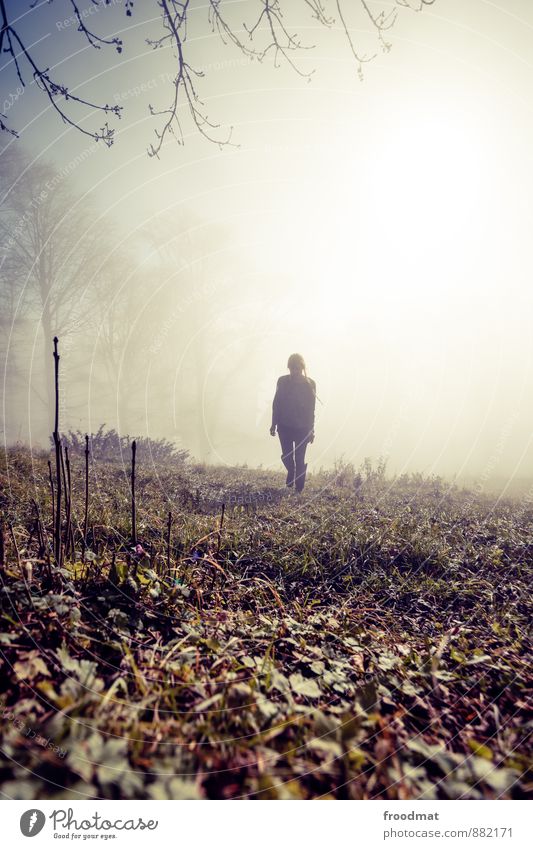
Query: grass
[{"x": 367, "y": 640}]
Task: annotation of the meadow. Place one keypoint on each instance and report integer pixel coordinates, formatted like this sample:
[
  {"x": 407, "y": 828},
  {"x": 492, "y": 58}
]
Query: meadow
[{"x": 367, "y": 640}]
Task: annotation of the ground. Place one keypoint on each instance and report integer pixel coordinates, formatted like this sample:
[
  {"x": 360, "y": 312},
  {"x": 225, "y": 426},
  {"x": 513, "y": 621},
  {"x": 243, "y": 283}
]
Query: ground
[{"x": 367, "y": 640}]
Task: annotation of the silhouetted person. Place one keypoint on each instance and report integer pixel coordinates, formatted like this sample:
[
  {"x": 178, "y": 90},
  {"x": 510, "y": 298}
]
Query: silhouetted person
[{"x": 293, "y": 414}]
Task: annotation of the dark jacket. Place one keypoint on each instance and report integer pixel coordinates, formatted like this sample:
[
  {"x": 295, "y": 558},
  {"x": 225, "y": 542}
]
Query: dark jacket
[{"x": 294, "y": 402}]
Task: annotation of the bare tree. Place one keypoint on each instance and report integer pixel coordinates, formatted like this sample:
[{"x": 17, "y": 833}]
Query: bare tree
[
  {"x": 49, "y": 252},
  {"x": 266, "y": 35}
]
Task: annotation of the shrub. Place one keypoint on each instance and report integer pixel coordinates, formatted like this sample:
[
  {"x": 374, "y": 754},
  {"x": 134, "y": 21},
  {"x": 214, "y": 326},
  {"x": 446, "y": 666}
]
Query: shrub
[{"x": 109, "y": 445}]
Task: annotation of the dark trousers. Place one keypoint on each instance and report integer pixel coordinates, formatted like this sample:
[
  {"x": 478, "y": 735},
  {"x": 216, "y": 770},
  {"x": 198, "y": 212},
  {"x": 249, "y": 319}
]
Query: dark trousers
[{"x": 293, "y": 445}]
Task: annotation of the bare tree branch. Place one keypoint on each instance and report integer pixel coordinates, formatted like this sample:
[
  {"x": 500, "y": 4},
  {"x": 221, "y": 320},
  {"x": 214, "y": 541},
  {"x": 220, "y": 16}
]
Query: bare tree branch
[
  {"x": 93, "y": 39},
  {"x": 54, "y": 90},
  {"x": 175, "y": 32},
  {"x": 266, "y": 35}
]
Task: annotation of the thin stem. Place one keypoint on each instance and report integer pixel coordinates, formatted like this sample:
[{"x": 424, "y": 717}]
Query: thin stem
[
  {"x": 57, "y": 443},
  {"x": 133, "y": 506},
  {"x": 169, "y": 529},
  {"x": 86, "y": 517}
]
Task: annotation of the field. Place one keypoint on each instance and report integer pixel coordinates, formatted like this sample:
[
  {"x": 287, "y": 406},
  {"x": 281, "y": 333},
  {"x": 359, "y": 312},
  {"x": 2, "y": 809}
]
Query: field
[{"x": 368, "y": 640}]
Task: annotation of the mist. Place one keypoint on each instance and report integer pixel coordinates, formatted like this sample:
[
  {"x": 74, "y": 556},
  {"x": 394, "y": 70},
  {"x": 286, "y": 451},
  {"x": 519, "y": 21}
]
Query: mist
[{"x": 380, "y": 228}]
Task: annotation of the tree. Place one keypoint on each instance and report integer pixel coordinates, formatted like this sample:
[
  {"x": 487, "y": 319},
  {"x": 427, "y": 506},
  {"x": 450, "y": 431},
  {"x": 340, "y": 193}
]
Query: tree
[
  {"x": 50, "y": 248},
  {"x": 267, "y": 35}
]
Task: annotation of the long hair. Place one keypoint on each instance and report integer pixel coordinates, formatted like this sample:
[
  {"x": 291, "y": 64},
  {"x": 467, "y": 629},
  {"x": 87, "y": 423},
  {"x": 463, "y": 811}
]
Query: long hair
[{"x": 296, "y": 361}]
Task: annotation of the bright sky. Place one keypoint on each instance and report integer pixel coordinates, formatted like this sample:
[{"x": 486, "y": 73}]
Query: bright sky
[{"x": 382, "y": 228}]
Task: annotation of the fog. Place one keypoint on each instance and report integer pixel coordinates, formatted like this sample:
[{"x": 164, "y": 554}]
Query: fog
[{"x": 379, "y": 227}]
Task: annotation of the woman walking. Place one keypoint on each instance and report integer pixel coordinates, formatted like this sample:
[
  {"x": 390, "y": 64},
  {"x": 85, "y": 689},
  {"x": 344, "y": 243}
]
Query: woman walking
[{"x": 293, "y": 414}]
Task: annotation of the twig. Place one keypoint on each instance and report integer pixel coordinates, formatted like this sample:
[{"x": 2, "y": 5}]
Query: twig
[
  {"x": 52, "y": 493},
  {"x": 57, "y": 93},
  {"x": 67, "y": 502},
  {"x": 169, "y": 528},
  {"x": 133, "y": 506},
  {"x": 57, "y": 443},
  {"x": 86, "y": 517},
  {"x": 70, "y": 531}
]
